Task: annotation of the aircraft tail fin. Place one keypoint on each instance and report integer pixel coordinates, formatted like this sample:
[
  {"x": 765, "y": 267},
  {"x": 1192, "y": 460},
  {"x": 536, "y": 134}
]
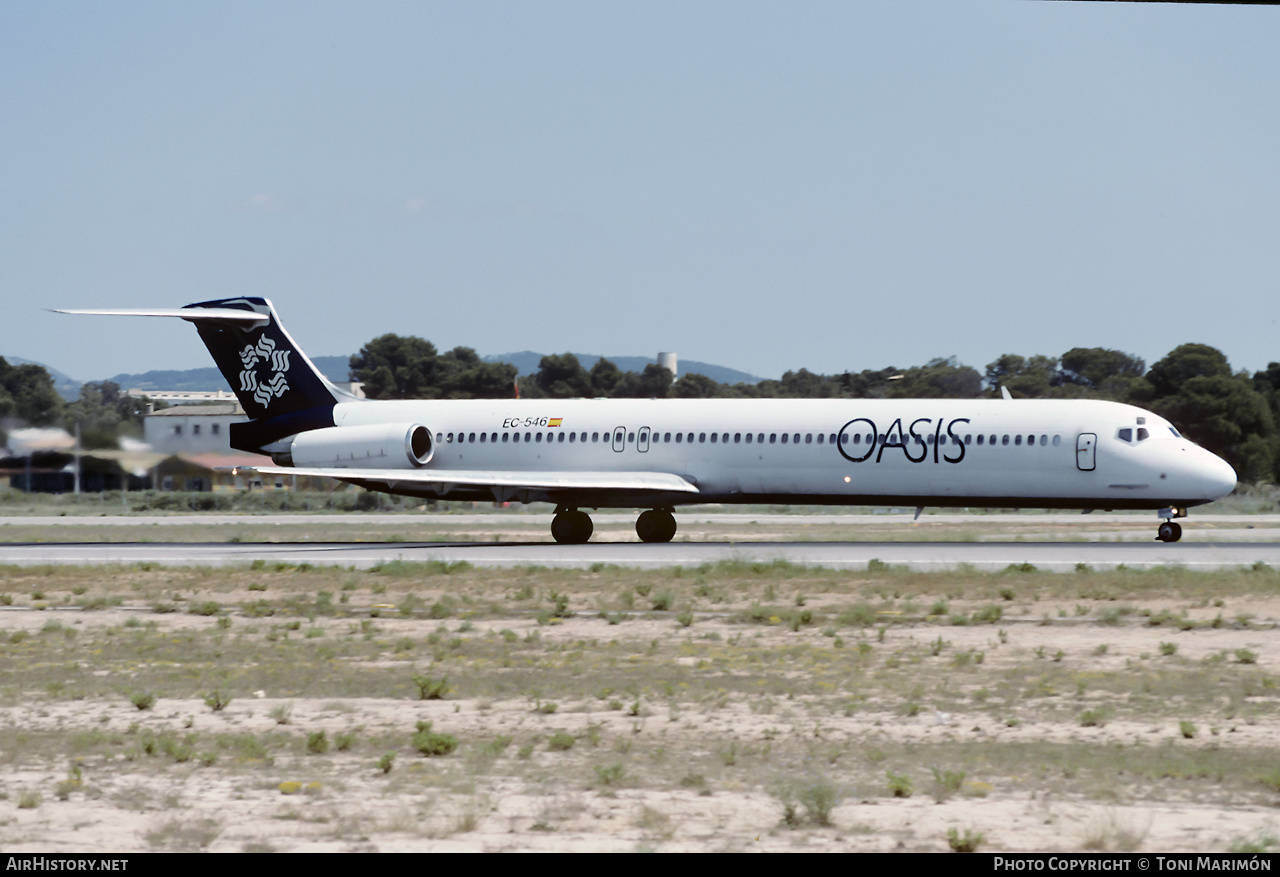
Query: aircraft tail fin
[
  {"x": 279, "y": 388},
  {"x": 267, "y": 371}
]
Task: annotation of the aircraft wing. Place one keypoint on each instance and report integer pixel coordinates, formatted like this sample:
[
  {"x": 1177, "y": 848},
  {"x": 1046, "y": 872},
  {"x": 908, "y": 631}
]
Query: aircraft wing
[{"x": 444, "y": 479}]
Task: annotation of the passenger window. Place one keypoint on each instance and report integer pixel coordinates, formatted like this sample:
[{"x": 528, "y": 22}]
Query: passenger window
[
  {"x": 725, "y": 438},
  {"x": 573, "y": 436},
  {"x": 760, "y": 439},
  {"x": 1057, "y": 440},
  {"x": 505, "y": 437},
  {"x": 1004, "y": 440},
  {"x": 631, "y": 437},
  {"x": 702, "y": 437},
  {"x": 561, "y": 438},
  {"x": 737, "y": 438},
  {"x": 538, "y": 437},
  {"x": 483, "y": 436},
  {"x": 820, "y": 438},
  {"x": 1031, "y": 440},
  {"x": 1143, "y": 435},
  {"x": 528, "y": 437},
  {"x": 1125, "y": 435},
  {"x": 784, "y": 438},
  {"x": 1017, "y": 440},
  {"x": 832, "y": 440},
  {"x": 471, "y": 437},
  {"x": 679, "y": 436},
  {"x": 980, "y": 440},
  {"x": 1044, "y": 440},
  {"x": 666, "y": 436},
  {"x": 968, "y": 439},
  {"x": 773, "y": 437},
  {"x": 713, "y": 438},
  {"x": 796, "y": 438},
  {"x": 748, "y": 438}
]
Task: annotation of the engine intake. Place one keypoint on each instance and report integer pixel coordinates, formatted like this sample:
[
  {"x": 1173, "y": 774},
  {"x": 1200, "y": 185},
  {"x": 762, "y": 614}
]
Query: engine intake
[{"x": 380, "y": 446}]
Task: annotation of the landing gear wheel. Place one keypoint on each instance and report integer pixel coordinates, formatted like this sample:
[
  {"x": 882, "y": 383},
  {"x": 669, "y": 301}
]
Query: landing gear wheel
[
  {"x": 656, "y": 525},
  {"x": 1169, "y": 532},
  {"x": 571, "y": 527}
]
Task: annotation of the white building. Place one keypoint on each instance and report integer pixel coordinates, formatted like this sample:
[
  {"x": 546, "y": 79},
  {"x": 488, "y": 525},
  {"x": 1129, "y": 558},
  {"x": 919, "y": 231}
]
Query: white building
[{"x": 193, "y": 429}]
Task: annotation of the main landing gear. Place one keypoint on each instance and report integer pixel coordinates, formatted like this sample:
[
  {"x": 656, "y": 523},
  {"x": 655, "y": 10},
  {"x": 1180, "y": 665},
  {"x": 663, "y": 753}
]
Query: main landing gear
[
  {"x": 1170, "y": 531},
  {"x": 573, "y": 527},
  {"x": 656, "y": 525}
]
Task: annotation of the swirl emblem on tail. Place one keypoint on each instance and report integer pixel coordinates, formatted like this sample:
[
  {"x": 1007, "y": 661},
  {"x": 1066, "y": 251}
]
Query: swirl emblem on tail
[{"x": 271, "y": 385}]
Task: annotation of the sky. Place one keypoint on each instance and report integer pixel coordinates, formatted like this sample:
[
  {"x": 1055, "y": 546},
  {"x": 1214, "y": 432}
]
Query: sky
[{"x": 766, "y": 186}]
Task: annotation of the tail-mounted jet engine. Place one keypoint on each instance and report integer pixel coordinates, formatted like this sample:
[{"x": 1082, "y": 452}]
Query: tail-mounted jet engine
[{"x": 381, "y": 446}]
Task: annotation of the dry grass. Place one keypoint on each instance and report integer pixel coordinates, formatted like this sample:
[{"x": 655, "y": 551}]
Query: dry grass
[{"x": 664, "y": 735}]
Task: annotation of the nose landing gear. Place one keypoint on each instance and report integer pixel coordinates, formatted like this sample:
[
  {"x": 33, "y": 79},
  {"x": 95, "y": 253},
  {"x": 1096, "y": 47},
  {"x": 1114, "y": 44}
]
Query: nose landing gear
[{"x": 1170, "y": 531}]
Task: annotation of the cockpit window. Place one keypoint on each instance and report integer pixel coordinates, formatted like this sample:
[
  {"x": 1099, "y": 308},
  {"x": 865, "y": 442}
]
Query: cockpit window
[
  {"x": 1175, "y": 432},
  {"x": 1143, "y": 435},
  {"x": 1125, "y": 435}
]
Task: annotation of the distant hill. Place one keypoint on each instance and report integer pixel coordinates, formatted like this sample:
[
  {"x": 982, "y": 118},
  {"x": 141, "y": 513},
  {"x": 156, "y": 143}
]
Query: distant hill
[
  {"x": 527, "y": 362},
  {"x": 335, "y": 369}
]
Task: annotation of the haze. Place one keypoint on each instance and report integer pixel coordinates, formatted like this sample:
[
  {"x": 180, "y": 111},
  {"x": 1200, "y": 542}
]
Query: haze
[{"x": 765, "y": 186}]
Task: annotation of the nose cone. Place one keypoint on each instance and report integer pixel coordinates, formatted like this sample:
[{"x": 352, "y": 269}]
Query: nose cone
[{"x": 1219, "y": 477}]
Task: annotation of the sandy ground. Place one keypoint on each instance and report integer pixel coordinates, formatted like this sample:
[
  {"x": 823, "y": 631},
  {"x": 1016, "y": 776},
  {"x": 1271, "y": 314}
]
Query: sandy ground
[{"x": 677, "y": 789}]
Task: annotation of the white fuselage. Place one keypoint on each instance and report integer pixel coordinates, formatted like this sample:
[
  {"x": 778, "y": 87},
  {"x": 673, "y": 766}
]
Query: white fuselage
[{"x": 971, "y": 452}]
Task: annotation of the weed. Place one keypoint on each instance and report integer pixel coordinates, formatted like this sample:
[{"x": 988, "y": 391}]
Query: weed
[
  {"x": 899, "y": 785},
  {"x": 1187, "y": 729},
  {"x": 610, "y": 774},
  {"x": 1093, "y": 718},
  {"x": 317, "y": 743},
  {"x": 386, "y": 762},
  {"x": 143, "y": 700},
  {"x": 946, "y": 783},
  {"x": 430, "y": 688},
  {"x": 966, "y": 843},
  {"x": 1245, "y": 656},
  {"x": 684, "y": 619},
  {"x": 281, "y": 713}
]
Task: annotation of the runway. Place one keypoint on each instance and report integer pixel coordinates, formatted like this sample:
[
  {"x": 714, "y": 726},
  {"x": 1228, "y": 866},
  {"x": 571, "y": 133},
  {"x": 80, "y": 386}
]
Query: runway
[{"x": 930, "y": 556}]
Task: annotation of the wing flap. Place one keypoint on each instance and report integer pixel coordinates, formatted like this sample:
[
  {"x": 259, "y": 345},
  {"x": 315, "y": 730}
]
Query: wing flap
[{"x": 656, "y": 481}]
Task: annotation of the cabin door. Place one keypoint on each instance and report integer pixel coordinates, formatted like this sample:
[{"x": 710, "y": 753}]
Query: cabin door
[
  {"x": 642, "y": 439},
  {"x": 619, "y": 439},
  {"x": 1086, "y": 443}
]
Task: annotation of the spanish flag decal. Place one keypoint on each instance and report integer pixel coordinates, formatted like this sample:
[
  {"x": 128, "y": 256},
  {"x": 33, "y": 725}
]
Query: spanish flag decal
[{"x": 555, "y": 421}]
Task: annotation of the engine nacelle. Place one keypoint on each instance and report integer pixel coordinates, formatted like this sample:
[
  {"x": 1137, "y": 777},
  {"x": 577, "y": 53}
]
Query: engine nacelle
[{"x": 379, "y": 446}]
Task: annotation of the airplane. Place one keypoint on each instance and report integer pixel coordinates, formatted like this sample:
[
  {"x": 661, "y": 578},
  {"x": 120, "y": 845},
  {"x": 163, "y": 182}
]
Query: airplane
[{"x": 658, "y": 454}]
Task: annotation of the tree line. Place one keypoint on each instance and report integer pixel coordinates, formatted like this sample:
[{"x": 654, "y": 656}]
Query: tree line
[
  {"x": 103, "y": 411},
  {"x": 1233, "y": 414}
]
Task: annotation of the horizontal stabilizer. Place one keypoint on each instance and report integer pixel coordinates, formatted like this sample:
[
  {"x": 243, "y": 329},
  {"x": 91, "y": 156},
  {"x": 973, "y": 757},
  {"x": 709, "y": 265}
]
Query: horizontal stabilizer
[
  {"x": 655, "y": 481},
  {"x": 194, "y": 315}
]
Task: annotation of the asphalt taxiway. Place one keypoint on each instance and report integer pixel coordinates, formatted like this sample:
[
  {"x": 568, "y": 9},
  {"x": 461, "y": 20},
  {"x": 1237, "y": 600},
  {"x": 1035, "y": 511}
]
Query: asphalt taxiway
[{"x": 1054, "y": 556}]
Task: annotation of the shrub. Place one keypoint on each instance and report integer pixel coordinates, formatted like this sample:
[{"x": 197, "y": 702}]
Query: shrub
[
  {"x": 946, "y": 783},
  {"x": 217, "y": 700},
  {"x": 143, "y": 700},
  {"x": 1168, "y": 649},
  {"x": 1187, "y": 729},
  {"x": 561, "y": 741},
  {"x": 430, "y": 688},
  {"x": 386, "y": 761},
  {"x": 1092, "y": 719},
  {"x": 1244, "y": 656},
  {"x": 431, "y": 743}
]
